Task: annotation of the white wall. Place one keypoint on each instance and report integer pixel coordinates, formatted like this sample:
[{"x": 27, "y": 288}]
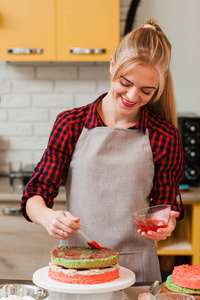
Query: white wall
[
  {"x": 180, "y": 20},
  {"x": 32, "y": 94}
]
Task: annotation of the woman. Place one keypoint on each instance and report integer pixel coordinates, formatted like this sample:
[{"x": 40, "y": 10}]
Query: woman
[{"x": 117, "y": 155}]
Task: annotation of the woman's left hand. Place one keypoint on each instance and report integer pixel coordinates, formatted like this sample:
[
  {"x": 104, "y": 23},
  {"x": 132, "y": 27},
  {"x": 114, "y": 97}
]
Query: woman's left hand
[{"x": 162, "y": 233}]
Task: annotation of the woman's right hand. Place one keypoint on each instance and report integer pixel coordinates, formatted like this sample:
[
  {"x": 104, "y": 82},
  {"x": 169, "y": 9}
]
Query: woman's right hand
[{"x": 61, "y": 224}]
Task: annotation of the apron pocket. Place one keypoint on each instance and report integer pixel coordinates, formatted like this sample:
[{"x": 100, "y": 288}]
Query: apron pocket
[{"x": 132, "y": 260}]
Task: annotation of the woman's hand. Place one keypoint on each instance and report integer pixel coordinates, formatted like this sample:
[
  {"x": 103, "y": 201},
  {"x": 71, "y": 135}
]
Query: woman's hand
[
  {"x": 61, "y": 224},
  {"x": 162, "y": 233}
]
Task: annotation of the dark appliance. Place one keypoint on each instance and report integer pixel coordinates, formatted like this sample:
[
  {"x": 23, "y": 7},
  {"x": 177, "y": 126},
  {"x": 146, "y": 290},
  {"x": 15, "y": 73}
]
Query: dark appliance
[{"x": 189, "y": 127}]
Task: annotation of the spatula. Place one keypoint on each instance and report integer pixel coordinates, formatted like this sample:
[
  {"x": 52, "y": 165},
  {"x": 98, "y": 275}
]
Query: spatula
[
  {"x": 92, "y": 244},
  {"x": 153, "y": 288}
]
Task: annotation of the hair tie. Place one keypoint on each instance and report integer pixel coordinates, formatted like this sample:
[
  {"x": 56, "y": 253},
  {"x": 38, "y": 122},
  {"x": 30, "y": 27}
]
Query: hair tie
[{"x": 149, "y": 26}]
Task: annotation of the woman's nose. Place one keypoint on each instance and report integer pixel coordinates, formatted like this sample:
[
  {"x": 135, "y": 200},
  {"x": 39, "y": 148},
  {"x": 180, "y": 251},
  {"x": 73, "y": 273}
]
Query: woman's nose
[{"x": 132, "y": 93}]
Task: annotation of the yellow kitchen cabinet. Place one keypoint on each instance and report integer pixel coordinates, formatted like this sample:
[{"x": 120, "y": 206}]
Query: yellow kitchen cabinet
[
  {"x": 27, "y": 30},
  {"x": 87, "y": 30},
  {"x": 58, "y": 30},
  {"x": 185, "y": 239}
]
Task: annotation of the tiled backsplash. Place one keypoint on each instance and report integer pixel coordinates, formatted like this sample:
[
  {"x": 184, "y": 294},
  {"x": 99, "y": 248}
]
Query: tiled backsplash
[
  {"x": 33, "y": 94},
  {"x": 30, "y": 104}
]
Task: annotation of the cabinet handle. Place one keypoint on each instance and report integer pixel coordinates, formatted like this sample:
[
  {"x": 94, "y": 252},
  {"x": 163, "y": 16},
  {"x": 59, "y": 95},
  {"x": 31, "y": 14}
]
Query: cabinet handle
[
  {"x": 19, "y": 50},
  {"x": 77, "y": 50},
  {"x": 12, "y": 212}
]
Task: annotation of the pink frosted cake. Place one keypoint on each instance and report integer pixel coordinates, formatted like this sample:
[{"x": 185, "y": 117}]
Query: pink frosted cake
[
  {"x": 82, "y": 265},
  {"x": 184, "y": 279},
  {"x": 187, "y": 276}
]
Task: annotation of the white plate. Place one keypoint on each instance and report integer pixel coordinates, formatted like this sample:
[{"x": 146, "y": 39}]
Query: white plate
[{"x": 127, "y": 278}]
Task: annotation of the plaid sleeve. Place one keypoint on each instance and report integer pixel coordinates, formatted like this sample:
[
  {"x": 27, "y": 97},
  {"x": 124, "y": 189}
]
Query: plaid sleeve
[
  {"x": 168, "y": 158},
  {"x": 52, "y": 170}
]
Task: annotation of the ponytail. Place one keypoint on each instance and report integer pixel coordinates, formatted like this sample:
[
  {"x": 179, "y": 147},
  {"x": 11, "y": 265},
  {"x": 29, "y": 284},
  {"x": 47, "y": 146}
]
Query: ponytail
[{"x": 165, "y": 106}]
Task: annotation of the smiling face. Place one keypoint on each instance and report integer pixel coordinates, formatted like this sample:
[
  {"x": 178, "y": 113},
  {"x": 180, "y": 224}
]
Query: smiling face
[{"x": 133, "y": 90}]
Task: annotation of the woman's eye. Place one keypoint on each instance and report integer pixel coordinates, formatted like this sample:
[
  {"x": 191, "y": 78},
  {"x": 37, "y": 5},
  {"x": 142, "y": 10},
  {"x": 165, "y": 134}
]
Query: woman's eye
[
  {"x": 124, "y": 84},
  {"x": 147, "y": 93}
]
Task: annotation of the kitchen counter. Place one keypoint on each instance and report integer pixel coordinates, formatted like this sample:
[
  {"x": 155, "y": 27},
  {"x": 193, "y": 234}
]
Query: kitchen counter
[
  {"x": 130, "y": 293},
  {"x": 16, "y": 281},
  {"x": 6, "y": 194},
  {"x": 191, "y": 195}
]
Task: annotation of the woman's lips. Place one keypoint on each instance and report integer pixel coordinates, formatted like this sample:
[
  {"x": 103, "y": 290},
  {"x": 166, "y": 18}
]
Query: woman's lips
[{"x": 127, "y": 103}]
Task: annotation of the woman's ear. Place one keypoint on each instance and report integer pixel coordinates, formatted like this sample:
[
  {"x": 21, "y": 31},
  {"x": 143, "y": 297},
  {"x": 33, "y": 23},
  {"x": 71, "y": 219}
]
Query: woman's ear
[{"x": 112, "y": 62}]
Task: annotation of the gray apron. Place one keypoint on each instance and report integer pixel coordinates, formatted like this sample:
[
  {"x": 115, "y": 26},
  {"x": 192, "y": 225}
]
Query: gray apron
[{"x": 110, "y": 177}]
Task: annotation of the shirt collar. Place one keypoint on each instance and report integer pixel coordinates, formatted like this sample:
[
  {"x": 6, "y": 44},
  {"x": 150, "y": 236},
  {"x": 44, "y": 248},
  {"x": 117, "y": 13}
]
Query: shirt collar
[
  {"x": 142, "y": 123},
  {"x": 93, "y": 119}
]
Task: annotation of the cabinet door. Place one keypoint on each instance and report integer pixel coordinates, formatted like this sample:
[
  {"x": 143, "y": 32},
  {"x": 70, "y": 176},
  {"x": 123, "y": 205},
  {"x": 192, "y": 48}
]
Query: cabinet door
[
  {"x": 24, "y": 247},
  {"x": 85, "y": 26},
  {"x": 27, "y": 26}
]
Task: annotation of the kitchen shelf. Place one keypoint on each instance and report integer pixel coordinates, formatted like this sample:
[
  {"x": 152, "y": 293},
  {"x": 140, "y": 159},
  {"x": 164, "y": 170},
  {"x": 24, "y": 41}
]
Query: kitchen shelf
[
  {"x": 185, "y": 239},
  {"x": 181, "y": 246}
]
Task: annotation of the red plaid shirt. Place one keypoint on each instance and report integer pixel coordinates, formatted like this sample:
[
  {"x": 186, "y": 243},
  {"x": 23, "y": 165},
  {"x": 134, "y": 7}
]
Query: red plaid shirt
[{"x": 52, "y": 170}]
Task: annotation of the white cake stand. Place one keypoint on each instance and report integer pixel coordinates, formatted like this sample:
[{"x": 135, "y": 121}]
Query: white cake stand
[{"x": 105, "y": 291}]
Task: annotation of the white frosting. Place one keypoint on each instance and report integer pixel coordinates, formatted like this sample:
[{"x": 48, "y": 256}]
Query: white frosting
[{"x": 72, "y": 272}]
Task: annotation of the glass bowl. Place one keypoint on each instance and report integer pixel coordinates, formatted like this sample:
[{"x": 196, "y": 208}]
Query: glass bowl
[
  {"x": 23, "y": 290},
  {"x": 174, "y": 296},
  {"x": 152, "y": 218}
]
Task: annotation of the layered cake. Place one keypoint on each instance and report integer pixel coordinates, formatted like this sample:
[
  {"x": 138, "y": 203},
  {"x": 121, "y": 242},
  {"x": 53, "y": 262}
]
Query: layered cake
[
  {"x": 184, "y": 279},
  {"x": 83, "y": 265}
]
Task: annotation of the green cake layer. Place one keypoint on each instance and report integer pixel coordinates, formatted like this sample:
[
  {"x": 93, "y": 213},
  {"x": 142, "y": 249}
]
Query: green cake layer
[
  {"x": 83, "y": 257},
  {"x": 175, "y": 288}
]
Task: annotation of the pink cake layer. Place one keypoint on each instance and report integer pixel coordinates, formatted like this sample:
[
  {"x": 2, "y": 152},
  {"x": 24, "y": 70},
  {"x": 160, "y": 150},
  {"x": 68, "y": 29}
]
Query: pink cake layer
[
  {"x": 187, "y": 276},
  {"x": 84, "y": 279}
]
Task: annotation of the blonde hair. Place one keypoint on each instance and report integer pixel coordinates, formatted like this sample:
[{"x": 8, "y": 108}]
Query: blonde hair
[{"x": 148, "y": 46}]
